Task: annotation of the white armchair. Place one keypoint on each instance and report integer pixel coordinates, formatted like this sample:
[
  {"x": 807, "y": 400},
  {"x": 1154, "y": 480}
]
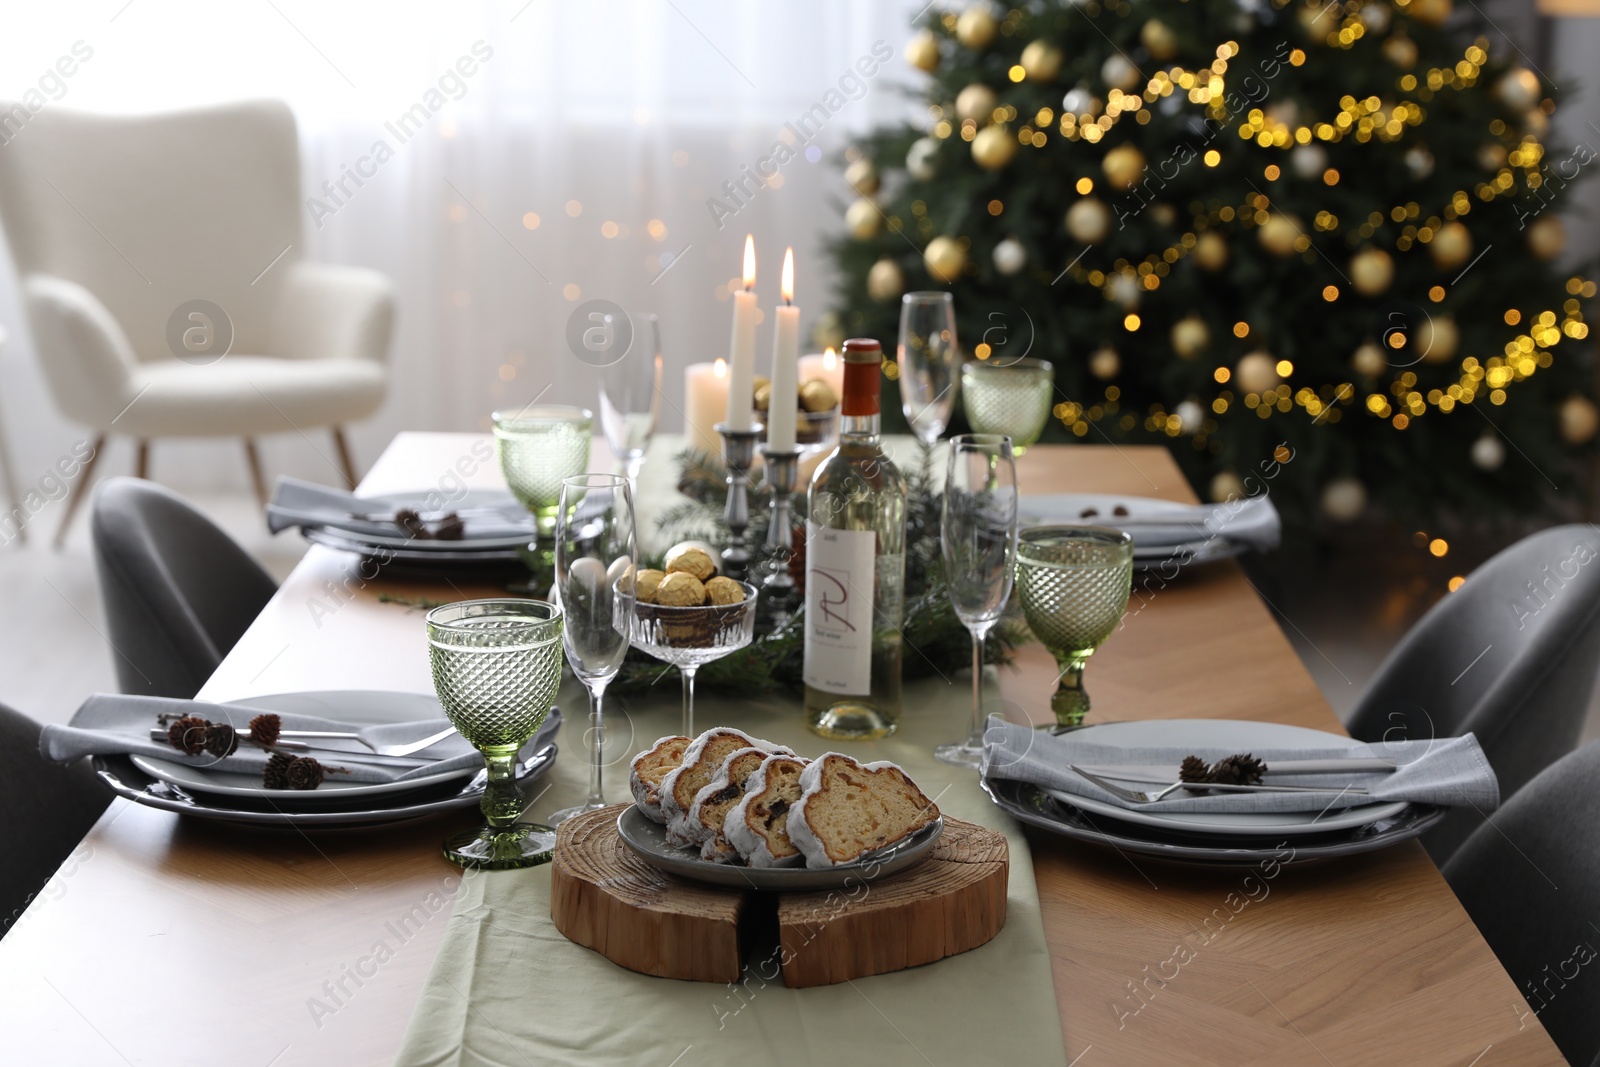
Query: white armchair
[{"x": 159, "y": 257}]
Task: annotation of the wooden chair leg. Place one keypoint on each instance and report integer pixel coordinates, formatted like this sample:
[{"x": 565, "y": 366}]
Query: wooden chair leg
[
  {"x": 85, "y": 476},
  {"x": 256, "y": 477},
  {"x": 141, "y": 466},
  {"x": 344, "y": 457}
]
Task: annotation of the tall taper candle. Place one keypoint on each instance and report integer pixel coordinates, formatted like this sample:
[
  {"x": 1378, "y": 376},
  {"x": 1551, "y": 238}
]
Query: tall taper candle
[
  {"x": 742, "y": 353},
  {"x": 781, "y": 412}
]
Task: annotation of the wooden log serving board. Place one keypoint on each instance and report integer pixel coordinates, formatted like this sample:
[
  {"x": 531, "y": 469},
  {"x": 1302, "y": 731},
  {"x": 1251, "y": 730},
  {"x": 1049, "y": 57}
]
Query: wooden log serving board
[{"x": 606, "y": 898}]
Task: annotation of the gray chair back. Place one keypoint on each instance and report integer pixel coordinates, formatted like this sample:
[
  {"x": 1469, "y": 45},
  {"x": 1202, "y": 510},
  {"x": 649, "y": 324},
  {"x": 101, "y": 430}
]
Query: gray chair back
[
  {"x": 178, "y": 591},
  {"x": 1510, "y": 656},
  {"x": 48, "y": 808},
  {"x": 1531, "y": 882}
]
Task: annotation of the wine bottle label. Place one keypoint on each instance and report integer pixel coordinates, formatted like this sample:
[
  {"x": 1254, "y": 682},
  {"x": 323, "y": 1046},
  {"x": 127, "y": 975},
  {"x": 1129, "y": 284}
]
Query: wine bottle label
[{"x": 840, "y": 577}]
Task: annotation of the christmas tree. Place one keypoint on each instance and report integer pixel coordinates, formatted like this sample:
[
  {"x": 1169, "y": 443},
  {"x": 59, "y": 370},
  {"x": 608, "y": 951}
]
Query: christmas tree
[{"x": 1315, "y": 232}]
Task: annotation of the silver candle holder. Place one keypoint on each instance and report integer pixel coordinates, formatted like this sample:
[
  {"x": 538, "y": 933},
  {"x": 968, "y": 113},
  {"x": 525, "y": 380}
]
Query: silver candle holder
[
  {"x": 777, "y": 588},
  {"x": 738, "y": 449}
]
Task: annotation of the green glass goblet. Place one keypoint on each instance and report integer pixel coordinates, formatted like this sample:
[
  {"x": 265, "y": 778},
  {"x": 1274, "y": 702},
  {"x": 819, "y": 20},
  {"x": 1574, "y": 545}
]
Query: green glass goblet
[
  {"x": 1073, "y": 582},
  {"x": 539, "y": 446},
  {"x": 496, "y": 669},
  {"x": 1009, "y": 398}
]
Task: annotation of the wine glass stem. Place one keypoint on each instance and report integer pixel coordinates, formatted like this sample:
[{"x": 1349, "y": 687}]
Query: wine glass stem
[
  {"x": 688, "y": 699},
  {"x": 1071, "y": 701},
  {"x": 501, "y": 803},
  {"x": 975, "y": 738},
  {"x": 597, "y": 731}
]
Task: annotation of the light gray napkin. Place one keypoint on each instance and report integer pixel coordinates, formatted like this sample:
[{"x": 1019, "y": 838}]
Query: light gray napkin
[
  {"x": 117, "y": 724},
  {"x": 1449, "y": 771},
  {"x": 1250, "y": 521},
  {"x": 299, "y": 503}
]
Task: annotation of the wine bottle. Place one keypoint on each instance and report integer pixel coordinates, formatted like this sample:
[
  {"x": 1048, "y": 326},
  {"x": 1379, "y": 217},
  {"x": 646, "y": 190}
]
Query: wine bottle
[{"x": 855, "y": 568}]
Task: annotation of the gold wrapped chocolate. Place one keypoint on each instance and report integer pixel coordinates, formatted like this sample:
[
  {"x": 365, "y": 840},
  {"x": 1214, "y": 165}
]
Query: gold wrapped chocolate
[
  {"x": 649, "y": 582},
  {"x": 763, "y": 395},
  {"x": 724, "y": 591},
  {"x": 688, "y": 559},
  {"x": 681, "y": 589},
  {"x": 817, "y": 395}
]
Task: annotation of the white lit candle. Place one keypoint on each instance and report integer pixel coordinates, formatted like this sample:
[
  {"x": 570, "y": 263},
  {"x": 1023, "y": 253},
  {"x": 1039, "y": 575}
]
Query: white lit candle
[
  {"x": 742, "y": 352},
  {"x": 781, "y": 412},
  {"x": 705, "y": 394},
  {"x": 825, "y": 365}
]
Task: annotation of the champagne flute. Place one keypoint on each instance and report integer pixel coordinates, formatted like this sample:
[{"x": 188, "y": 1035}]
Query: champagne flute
[
  {"x": 496, "y": 669},
  {"x": 1073, "y": 582},
  {"x": 928, "y": 357},
  {"x": 978, "y": 536},
  {"x": 630, "y": 401},
  {"x": 596, "y": 559}
]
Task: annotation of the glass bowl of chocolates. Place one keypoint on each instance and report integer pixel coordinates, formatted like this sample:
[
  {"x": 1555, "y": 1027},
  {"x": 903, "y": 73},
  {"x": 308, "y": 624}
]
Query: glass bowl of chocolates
[{"x": 817, "y": 422}]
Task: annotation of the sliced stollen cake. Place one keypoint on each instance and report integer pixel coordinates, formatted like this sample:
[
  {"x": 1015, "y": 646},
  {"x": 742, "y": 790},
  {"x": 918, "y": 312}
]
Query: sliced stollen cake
[
  {"x": 847, "y": 808},
  {"x": 648, "y": 770},
  {"x": 718, "y": 797},
  {"x": 701, "y": 761},
  {"x": 756, "y": 826}
]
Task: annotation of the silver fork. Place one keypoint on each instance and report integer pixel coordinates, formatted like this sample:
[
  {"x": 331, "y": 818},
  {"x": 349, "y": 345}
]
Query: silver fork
[{"x": 1135, "y": 797}]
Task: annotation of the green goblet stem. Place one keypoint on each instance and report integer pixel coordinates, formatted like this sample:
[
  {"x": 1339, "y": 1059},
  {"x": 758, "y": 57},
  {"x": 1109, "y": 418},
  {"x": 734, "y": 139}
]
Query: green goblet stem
[
  {"x": 1071, "y": 701},
  {"x": 502, "y": 801}
]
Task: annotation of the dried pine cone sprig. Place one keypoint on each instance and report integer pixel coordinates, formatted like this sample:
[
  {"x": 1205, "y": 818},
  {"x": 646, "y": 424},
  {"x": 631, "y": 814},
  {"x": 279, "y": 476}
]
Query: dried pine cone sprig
[
  {"x": 188, "y": 734},
  {"x": 276, "y": 773},
  {"x": 221, "y": 739},
  {"x": 1242, "y": 769},
  {"x": 284, "y": 771},
  {"x": 265, "y": 728}
]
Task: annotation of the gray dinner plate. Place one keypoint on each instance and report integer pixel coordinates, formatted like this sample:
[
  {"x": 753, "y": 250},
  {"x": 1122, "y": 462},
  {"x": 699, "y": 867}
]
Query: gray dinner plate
[{"x": 648, "y": 840}]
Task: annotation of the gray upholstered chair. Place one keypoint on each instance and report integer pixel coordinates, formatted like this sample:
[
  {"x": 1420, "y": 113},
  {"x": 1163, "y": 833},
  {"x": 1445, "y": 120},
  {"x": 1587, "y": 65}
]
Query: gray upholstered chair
[
  {"x": 178, "y": 591},
  {"x": 1531, "y": 882},
  {"x": 1510, "y": 656},
  {"x": 48, "y": 808}
]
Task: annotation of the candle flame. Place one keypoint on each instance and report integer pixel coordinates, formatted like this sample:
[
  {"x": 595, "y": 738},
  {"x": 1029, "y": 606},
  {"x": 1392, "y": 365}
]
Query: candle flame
[
  {"x": 749, "y": 261},
  {"x": 788, "y": 276},
  {"x": 719, "y": 369},
  {"x": 830, "y": 359}
]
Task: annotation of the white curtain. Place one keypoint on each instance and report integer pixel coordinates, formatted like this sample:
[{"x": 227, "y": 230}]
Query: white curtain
[{"x": 539, "y": 154}]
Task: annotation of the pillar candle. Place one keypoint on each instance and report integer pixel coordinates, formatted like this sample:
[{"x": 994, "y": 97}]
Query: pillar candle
[
  {"x": 785, "y": 404},
  {"x": 825, "y": 365},
  {"x": 742, "y": 351},
  {"x": 705, "y": 394}
]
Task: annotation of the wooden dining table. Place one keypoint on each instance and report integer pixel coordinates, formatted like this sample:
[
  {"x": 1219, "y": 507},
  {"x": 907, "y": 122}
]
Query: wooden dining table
[{"x": 166, "y": 940}]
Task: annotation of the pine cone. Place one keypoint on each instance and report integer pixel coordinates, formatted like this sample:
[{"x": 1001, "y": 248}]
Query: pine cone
[
  {"x": 1193, "y": 769},
  {"x": 221, "y": 740},
  {"x": 264, "y": 729},
  {"x": 305, "y": 773},
  {"x": 188, "y": 734},
  {"x": 1238, "y": 770},
  {"x": 450, "y": 528},
  {"x": 276, "y": 773}
]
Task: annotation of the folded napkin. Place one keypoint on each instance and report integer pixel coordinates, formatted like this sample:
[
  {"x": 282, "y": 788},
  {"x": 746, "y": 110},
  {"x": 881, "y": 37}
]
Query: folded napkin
[
  {"x": 1249, "y": 521},
  {"x": 299, "y": 503},
  {"x": 1447, "y": 771},
  {"x": 115, "y": 724}
]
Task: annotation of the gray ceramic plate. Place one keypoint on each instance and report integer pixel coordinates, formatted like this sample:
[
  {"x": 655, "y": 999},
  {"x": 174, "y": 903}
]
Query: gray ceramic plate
[{"x": 648, "y": 840}]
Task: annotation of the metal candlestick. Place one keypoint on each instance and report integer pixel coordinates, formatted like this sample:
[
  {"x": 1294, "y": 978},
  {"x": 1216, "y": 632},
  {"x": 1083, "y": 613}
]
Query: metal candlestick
[
  {"x": 777, "y": 588},
  {"x": 738, "y": 449}
]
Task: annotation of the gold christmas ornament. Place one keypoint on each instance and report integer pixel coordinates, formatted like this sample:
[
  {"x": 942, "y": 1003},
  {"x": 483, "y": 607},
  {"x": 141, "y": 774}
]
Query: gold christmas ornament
[
  {"x": 1159, "y": 39},
  {"x": 1371, "y": 271},
  {"x": 1430, "y": 12},
  {"x": 1308, "y": 161},
  {"x": 945, "y": 258},
  {"x": 1316, "y": 23},
  {"x": 863, "y": 219},
  {"x": 1105, "y": 363},
  {"x": 922, "y": 51},
  {"x": 1488, "y": 453},
  {"x": 1211, "y": 251},
  {"x": 885, "y": 281},
  {"x": 994, "y": 147},
  {"x": 1518, "y": 89},
  {"x": 1164, "y": 213},
  {"x": 1123, "y": 166},
  {"x": 1190, "y": 336},
  {"x": 976, "y": 103},
  {"x": 1547, "y": 236},
  {"x": 863, "y": 175},
  {"x": 1118, "y": 72},
  {"x": 1438, "y": 339},
  {"x": 1344, "y": 499},
  {"x": 1492, "y": 156},
  {"x": 1278, "y": 235},
  {"x": 1401, "y": 51},
  {"x": 1368, "y": 360},
  {"x": 1126, "y": 290},
  {"x": 1451, "y": 246},
  {"x": 976, "y": 27},
  {"x": 1041, "y": 61},
  {"x": 1225, "y": 487},
  {"x": 1256, "y": 373},
  {"x": 1536, "y": 123},
  {"x": 1089, "y": 220},
  {"x": 1578, "y": 419},
  {"x": 920, "y": 159},
  {"x": 1009, "y": 256}
]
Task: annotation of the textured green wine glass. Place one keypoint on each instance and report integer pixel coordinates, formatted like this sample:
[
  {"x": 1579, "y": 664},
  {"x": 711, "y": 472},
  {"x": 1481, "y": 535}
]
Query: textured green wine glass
[
  {"x": 1010, "y": 398},
  {"x": 539, "y": 446},
  {"x": 1073, "y": 582},
  {"x": 496, "y": 669}
]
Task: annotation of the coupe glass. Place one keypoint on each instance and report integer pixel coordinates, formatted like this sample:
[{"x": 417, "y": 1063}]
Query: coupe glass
[
  {"x": 1009, "y": 398},
  {"x": 691, "y": 637},
  {"x": 496, "y": 668},
  {"x": 596, "y": 558},
  {"x": 539, "y": 446},
  {"x": 1073, "y": 582},
  {"x": 978, "y": 534},
  {"x": 630, "y": 401},
  {"x": 927, "y": 359}
]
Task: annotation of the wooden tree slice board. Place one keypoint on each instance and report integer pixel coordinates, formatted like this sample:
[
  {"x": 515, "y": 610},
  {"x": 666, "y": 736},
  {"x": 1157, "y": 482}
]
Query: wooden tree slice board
[{"x": 605, "y": 898}]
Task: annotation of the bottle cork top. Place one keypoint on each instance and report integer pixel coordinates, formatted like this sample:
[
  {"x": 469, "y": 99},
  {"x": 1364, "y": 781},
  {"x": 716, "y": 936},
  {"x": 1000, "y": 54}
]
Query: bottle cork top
[{"x": 864, "y": 349}]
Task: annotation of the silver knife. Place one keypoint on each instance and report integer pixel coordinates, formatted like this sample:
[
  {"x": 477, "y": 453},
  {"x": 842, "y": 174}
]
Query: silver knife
[
  {"x": 329, "y": 755},
  {"x": 1157, "y": 772}
]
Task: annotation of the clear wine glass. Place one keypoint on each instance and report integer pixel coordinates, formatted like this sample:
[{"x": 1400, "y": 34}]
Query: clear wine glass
[
  {"x": 690, "y": 637},
  {"x": 928, "y": 358},
  {"x": 496, "y": 669},
  {"x": 978, "y": 535},
  {"x": 597, "y": 557},
  {"x": 630, "y": 401}
]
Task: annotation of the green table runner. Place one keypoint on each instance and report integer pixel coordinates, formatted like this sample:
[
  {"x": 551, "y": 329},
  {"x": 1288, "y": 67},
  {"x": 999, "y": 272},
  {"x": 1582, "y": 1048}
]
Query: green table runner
[{"x": 508, "y": 989}]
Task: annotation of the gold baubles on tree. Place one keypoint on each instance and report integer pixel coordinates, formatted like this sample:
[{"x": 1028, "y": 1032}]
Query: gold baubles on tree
[
  {"x": 1105, "y": 363},
  {"x": 976, "y": 27},
  {"x": 1278, "y": 235},
  {"x": 1226, "y": 486},
  {"x": 1578, "y": 420},
  {"x": 1256, "y": 373},
  {"x": 1451, "y": 246},
  {"x": 1492, "y": 156},
  {"x": 863, "y": 174},
  {"x": 885, "y": 281},
  {"x": 1211, "y": 251},
  {"x": 1401, "y": 51},
  {"x": 1430, "y": 12},
  {"x": 1438, "y": 339},
  {"x": 976, "y": 103},
  {"x": 994, "y": 147},
  {"x": 1518, "y": 89},
  {"x": 1547, "y": 236},
  {"x": 1344, "y": 499},
  {"x": 1371, "y": 271},
  {"x": 1368, "y": 360},
  {"x": 1118, "y": 72},
  {"x": 945, "y": 258},
  {"x": 1041, "y": 61},
  {"x": 1159, "y": 39},
  {"x": 922, "y": 51},
  {"x": 863, "y": 219},
  {"x": 1190, "y": 336},
  {"x": 1123, "y": 166},
  {"x": 1089, "y": 220}
]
